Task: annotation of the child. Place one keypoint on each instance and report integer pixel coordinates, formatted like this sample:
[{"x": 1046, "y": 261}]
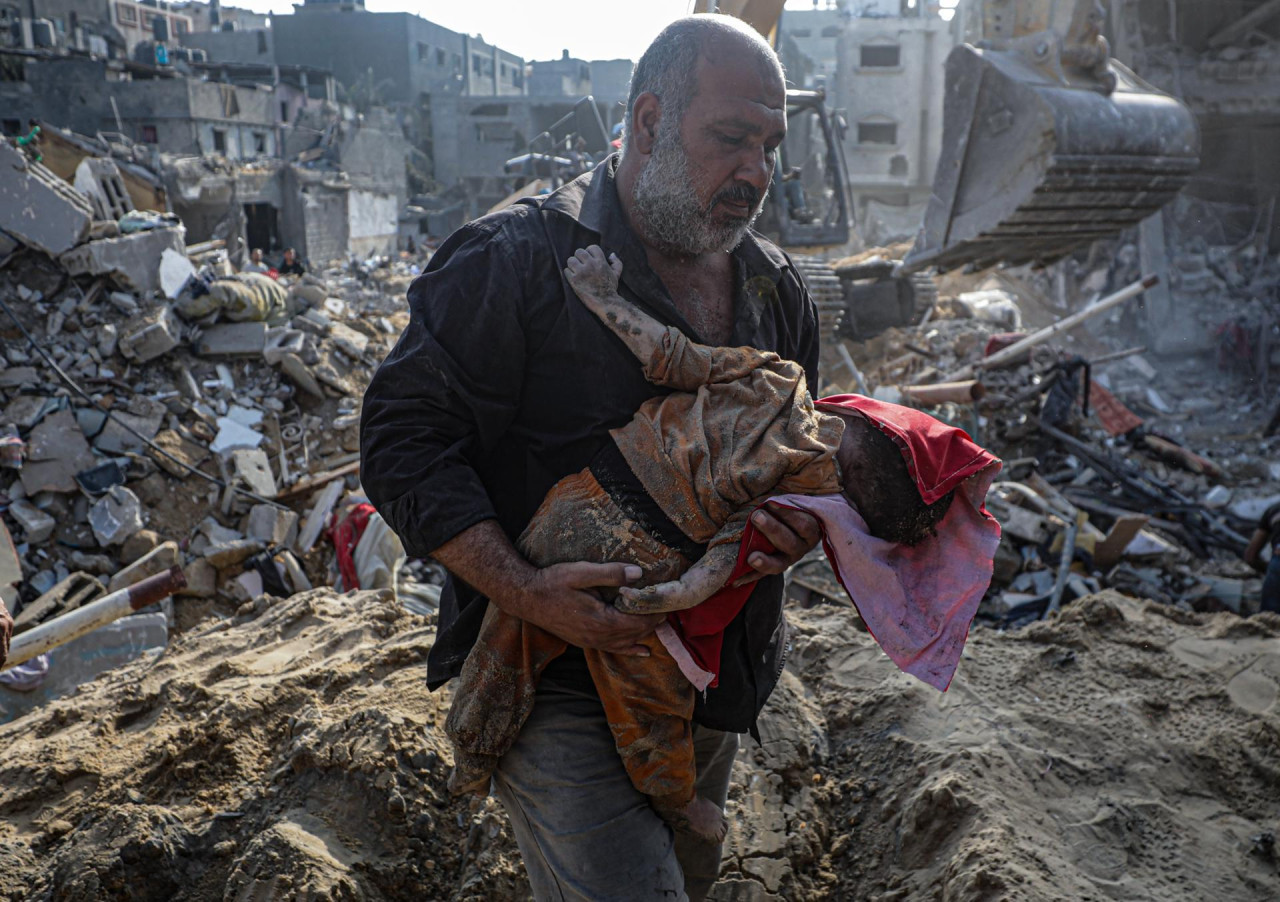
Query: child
[{"x": 677, "y": 485}]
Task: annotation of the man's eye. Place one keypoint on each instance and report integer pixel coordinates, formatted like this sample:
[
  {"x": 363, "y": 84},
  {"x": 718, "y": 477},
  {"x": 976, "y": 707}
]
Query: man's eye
[{"x": 730, "y": 140}]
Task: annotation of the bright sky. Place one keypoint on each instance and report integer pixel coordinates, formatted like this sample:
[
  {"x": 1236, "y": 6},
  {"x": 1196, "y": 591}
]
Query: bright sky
[{"x": 540, "y": 29}]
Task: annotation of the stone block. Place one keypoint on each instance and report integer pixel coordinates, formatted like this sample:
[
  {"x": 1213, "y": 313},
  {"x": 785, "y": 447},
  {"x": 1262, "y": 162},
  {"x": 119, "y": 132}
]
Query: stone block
[
  {"x": 202, "y": 579},
  {"x": 273, "y": 525},
  {"x": 349, "y": 341},
  {"x": 232, "y": 340},
  {"x": 131, "y": 261},
  {"x": 157, "y": 560},
  {"x": 138, "y": 545},
  {"x": 56, "y": 452},
  {"x": 115, "y": 516},
  {"x": 35, "y": 523},
  {"x": 252, "y": 471},
  {"x": 39, "y": 209},
  {"x": 150, "y": 336}
]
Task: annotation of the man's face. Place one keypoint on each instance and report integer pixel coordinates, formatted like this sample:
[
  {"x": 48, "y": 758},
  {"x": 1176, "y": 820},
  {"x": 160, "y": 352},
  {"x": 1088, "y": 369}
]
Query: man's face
[{"x": 706, "y": 179}]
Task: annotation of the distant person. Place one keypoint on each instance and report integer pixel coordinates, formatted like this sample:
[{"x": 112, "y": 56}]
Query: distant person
[
  {"x": 6, "y": 632},
  {"x": 1267, "y": 533},
  {"x": 291, "y": 265},
  {"x": 255, "y": 263}
]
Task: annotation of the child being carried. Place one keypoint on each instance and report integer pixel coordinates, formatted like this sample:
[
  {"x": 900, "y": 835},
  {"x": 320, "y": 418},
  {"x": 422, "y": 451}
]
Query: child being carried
[{"x": 898, "y": 494}]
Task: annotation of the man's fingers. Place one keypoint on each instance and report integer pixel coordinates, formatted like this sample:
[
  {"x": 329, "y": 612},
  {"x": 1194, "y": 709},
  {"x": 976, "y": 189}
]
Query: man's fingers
[
  {"x": 584, "y": 575},
  {"x": 802, "y": 523},
  {"x": 789, "y": 542}
]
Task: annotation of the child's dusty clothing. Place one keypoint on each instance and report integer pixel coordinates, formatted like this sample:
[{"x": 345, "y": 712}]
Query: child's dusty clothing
[{"x": 740, "y": 428}]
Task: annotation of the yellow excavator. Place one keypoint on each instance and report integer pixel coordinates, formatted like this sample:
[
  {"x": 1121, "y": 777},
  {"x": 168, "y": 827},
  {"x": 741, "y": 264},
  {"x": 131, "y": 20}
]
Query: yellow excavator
[{"x": 1047, "y": 145}]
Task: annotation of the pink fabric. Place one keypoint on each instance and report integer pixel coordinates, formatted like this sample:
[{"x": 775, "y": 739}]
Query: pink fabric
[{"x": 917, "y": 602}]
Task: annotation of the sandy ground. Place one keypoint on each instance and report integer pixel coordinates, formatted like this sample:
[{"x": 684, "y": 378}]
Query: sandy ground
[{"x": 1124, "y": 751}]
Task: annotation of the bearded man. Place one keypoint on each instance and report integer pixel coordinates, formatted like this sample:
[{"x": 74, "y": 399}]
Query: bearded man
[{"x": 504, "y": 383}]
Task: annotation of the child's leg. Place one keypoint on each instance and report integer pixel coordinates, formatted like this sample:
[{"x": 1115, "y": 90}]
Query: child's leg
[
  {"x": 494, "y": 694},
  {"x": 649, "y": 705}
]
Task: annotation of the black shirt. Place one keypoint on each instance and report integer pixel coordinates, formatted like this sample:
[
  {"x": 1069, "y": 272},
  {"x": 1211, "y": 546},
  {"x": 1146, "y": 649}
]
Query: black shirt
[
  {"x": 504, "y": 383},
  {"x": 1269, "y": 523}
]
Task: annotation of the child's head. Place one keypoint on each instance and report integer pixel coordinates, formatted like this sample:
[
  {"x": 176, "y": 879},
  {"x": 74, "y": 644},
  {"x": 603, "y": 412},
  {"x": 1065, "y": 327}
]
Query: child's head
[{"x": 876, "y": 481}]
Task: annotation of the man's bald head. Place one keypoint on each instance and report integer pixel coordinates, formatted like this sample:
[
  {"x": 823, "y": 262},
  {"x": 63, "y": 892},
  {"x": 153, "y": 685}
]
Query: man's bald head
[{"x": 669, "y": 67}]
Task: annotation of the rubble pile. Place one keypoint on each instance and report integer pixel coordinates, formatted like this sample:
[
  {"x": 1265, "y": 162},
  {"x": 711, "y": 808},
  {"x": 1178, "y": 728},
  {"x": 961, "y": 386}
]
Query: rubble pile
[
  {"x": 159, "y": 409},
  {"x": 1148, "y": 470},
  {"x": 294, "y": 751}
]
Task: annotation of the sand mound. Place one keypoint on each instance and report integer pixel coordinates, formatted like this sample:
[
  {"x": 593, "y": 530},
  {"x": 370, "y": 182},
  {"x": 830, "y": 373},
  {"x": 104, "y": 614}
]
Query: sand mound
[{"x": 1126, "y": 751}]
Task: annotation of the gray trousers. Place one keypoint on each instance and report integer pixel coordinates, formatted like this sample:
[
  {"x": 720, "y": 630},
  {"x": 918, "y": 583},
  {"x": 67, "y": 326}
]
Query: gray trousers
[{"x": 585, "y": 833}]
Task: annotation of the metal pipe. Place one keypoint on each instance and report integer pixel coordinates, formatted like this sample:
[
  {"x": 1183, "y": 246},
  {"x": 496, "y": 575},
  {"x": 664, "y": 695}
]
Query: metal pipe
[
  {"x": 61, "y": 630},
  {"x": 944, "y": 392}
]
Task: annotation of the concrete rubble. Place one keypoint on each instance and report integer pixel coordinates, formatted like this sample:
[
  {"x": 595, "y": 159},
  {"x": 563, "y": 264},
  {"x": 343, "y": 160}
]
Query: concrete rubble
[{"x": 170, "y": 411}]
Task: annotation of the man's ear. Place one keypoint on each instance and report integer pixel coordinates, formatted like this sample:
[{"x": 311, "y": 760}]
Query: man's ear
[{"x": 645, "y": 116}]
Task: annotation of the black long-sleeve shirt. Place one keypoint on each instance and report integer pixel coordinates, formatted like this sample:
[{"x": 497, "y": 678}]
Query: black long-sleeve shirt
[{"x": 504, "y": 383}]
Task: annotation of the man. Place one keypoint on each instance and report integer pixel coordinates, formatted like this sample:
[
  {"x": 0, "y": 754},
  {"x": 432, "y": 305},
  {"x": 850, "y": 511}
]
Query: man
[
  {"x": 255, "y": 263},
  {"x": 291, "y": 265},
  {"x": 1267, "y": 534},
  {"x": 504, "y": 383},
  {"x": 6, "y": 632}
]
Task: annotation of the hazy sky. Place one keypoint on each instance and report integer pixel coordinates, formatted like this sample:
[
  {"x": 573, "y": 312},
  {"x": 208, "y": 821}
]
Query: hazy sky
[{"x": 540, "y": 29}]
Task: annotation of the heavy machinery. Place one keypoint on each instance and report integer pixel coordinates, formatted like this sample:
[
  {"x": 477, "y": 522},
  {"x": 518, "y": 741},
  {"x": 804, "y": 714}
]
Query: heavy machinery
[{"x": 1047, "y": 145}]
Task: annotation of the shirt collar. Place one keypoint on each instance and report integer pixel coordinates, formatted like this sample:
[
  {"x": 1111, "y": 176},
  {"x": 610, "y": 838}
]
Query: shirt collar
[{"x": 591, "y": 200}]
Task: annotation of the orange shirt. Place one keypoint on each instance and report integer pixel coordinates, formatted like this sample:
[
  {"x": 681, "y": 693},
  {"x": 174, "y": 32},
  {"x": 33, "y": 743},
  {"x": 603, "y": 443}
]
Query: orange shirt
[{"x": 740, "y": 428}]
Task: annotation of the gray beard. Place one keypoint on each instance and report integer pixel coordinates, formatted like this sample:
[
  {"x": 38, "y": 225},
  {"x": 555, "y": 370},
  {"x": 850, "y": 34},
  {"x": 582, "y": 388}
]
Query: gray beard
[{"x": 666, "y": 205}]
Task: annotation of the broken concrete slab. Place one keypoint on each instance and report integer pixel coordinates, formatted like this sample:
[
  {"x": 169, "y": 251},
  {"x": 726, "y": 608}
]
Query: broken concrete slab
[
  {"x": 175, "y": 271},
  {"x": 185, "y": 450},
  {"x": 37, "y": 526},
  {"x": 232, "y": 340},
  {"x": 19, "y": 376},
  {"x": 273, "y": 525},
  {"x": 252, "y": 471},
  {"x": 141, "y": 543},
  {"x": 233, "y": 436},
  {"x": 131, "y": 261},
  {"x": 202, "y": 579},
  {"x": 282, "y": 341},
  {"x": 39, "y": 209},
  {"x": 10, "y": 567},
  {"x": 157, "y": 560},
  {"x": 300, "y": 375},
  {"x": 115, "y": 516},
  {"x": 115, "y": 439},
  {"x": 56, "y": 452},
  {"x": 349, "y": 341},
  {"x": 228, "y": 554},
  {"x": 151, "y": 335}
]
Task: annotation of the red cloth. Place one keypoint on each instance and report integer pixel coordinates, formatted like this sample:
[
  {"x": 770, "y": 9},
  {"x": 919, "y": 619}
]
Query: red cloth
[
  {"x": 346, "y": 536},
  {"x": 939, "y": 457}
]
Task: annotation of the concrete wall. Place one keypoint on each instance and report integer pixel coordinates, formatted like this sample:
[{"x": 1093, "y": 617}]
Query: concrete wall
[
  {"x": 372, "y": 222},
  {"x": 255, "y": 46},
  {"x": 894, "y": 112}
]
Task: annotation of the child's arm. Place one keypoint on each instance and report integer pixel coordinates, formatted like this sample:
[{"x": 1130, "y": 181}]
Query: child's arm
[
  {"x": 699, "y": 582},
  {"x": 595, "y": 280}
]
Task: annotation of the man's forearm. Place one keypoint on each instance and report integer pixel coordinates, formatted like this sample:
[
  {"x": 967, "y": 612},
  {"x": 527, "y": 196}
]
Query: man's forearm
[{"x": 483, "y": 557}]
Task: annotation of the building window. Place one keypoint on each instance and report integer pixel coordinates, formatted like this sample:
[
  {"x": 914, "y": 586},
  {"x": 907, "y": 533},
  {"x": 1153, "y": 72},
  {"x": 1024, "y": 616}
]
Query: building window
[
  {"x": 149, "y": 135},
  {"x": 476, "y": 63},
  {"x": 880, "y": 56},
  {"x": 878, "y": 133},
  {"x": 284, "y": 111},
  {"x": 898, "y": 166},
  {"x": 424, "y": 52},
  {"x": 262, "y": 42},
  {"x": 126, "y": 15},
  {"x": 11, "y": 126},
  {"x": 259, "y": 143},
  {"x": 441, "y": 57},
  {"x": 180, "y": 26},
  {"x": 831, "y": 31},
  {"x": 220, "y": 140}
]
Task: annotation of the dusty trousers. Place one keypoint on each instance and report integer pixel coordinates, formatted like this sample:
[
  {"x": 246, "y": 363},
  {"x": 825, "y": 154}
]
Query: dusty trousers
[
  {"x": 648, "y": 702},
  {"x": 585, "y": 834}
]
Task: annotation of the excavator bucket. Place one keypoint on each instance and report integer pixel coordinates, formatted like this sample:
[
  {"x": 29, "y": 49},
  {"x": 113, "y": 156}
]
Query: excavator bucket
[{"x": 1036, "y": 163}]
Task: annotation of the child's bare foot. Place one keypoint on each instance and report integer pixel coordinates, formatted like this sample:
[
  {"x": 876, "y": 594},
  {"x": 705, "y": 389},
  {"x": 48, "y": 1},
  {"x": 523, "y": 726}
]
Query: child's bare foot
[
  {"x": 703, "y": 818},
  {"x": 593, "y": 277}
]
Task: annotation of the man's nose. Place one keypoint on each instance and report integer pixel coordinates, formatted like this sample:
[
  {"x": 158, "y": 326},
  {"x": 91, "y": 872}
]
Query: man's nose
[{"x": 756, "y": 169}]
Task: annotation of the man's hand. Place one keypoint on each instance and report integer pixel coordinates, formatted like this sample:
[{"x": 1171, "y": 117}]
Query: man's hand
[
  {"x": 561, "y": 600},
  {"x": 6, "y": 632},
  {"x": 792, "y": 532}
]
